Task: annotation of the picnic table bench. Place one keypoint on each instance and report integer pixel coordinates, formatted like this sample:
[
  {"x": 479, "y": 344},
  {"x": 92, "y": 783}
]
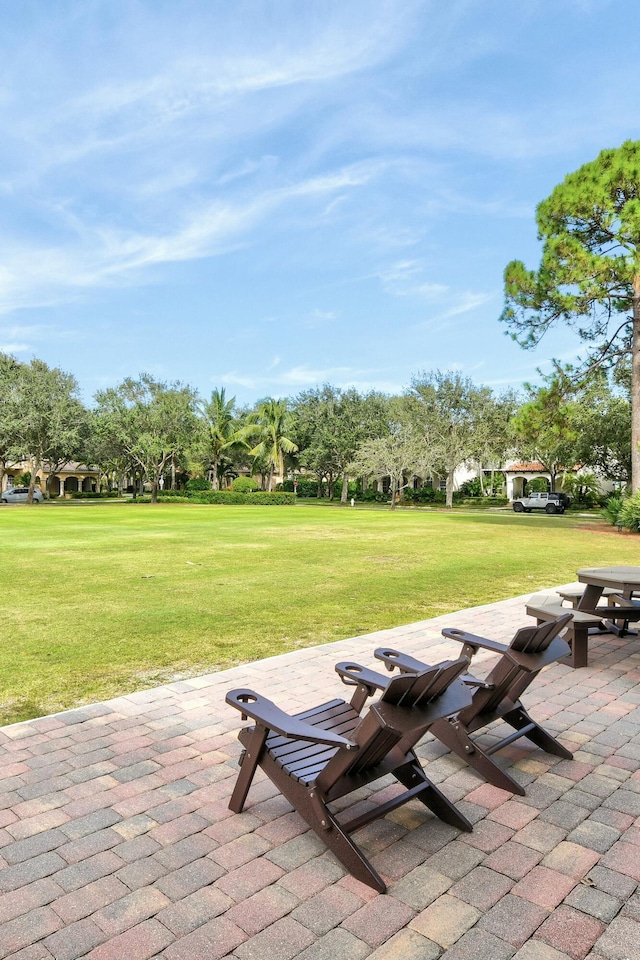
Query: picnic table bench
[
  {"x": 547, "y": 606},
  {"x": 574, "y": 592}
]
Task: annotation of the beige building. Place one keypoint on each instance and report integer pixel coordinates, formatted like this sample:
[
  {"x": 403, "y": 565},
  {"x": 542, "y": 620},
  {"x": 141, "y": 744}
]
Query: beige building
[{"x": 71, "y": 477}]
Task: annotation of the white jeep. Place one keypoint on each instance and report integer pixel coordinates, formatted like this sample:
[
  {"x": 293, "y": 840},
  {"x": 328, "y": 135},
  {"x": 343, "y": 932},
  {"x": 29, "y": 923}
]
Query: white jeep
[{"x": 549, "y": 502}]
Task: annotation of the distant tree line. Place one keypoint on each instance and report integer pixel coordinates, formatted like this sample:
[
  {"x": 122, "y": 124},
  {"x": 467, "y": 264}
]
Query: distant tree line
[{"x": 160, "y": 434}]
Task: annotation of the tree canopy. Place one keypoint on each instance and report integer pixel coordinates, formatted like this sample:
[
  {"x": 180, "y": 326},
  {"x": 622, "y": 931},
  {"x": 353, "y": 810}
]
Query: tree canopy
[
  {"x": 150, "y": 421},
  {"x": 448, "y": 411},
  {"x": 331, "y": 424},
  {"x": 49, "y": 418},
  {"x": 222, "y": 433},
  {"x": 589, "y": 274},
  {"x": 269, "y": 426},
  {"x": 545, "y": 430}
]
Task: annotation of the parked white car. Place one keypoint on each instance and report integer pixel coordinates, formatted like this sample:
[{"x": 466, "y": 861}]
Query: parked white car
[
  {"x": 549, "y": 502},
  {"x": 20, "y": 494}
]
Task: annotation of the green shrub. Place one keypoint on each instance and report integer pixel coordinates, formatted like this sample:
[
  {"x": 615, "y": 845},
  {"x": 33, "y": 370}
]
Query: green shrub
[
  {"x": 629, "y": 513},
  {"x": 231, "y": 497},
  {"x": 537, "y": 485},
  {"x": 612, "y": 507},
  {"x": 197, "y": 484},
  {"x": 372, "y": 496},
  {"x": 91, "y": 495},
  {"x": 173, "y": 494},
  {"x": 471, "y": 488},
  {"x": 307, "y": 486},
  {"x": 244, "y": 485},
  {"x": 425, "y": 495}
]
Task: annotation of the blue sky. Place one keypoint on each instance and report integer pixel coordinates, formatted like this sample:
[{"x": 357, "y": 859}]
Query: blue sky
[{"x": 269, "y": 195}]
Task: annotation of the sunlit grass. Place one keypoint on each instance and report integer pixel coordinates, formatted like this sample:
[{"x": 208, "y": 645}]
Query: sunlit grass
[{"x": 102, "y": 599}]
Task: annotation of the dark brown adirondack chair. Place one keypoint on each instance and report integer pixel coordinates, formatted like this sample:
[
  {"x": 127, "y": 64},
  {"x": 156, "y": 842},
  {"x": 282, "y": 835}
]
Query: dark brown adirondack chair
[
  {"x": 329, "y": 751},
  {"x": 496, "y": 698}
]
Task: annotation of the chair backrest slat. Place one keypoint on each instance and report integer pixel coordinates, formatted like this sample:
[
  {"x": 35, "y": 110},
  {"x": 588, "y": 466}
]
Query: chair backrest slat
[
  {"x": 406, "y": 691},
  {"x": 413, "y": 689},
  {"x": 508, "y": 679},
  {"x": 536, "y": 639}
]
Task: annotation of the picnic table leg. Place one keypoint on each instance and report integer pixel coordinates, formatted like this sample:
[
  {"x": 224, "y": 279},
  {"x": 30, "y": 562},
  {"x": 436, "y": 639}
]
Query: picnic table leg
[
  {"x": 589, "y": 599},
  {"x": 578, "y": 637}
]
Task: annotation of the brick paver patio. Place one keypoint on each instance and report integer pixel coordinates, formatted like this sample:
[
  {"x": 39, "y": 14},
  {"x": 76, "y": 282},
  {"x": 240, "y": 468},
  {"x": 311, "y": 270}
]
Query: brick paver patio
[{"x": 116, "y": 842}]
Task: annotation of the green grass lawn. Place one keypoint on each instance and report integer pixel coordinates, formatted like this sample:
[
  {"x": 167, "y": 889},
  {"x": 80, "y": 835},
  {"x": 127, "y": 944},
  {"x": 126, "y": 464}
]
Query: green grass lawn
[{"x": 106, "y": 598}]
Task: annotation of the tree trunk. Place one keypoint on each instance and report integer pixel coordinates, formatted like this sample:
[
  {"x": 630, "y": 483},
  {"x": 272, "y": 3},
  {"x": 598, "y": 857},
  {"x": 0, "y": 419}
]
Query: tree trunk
[
  {"x": 215, "y": 482},
  {"x": 635, "y": 389},
  {"x": 281, "y": 466},
  {"x": 173, "y": 473},
  {"x": 34, "y": 466},
  {"x": 449, "y": 500},
  {"x": 392, "y": 491},
  {"x": 345, "y": 489}
]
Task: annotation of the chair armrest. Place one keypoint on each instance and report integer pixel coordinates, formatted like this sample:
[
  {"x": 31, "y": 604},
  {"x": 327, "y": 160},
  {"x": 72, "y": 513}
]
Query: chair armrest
[
  {"x": 395, "y": 658},
  {"x": 354, "y": 674},
  {"x": 265, "y": 712},
  {"x": 472, "y": 641}
]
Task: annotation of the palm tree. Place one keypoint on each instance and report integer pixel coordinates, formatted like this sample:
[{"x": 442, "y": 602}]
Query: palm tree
[
  {"x": 270, "y": 424},
  {"x": 223, "y": 432}
]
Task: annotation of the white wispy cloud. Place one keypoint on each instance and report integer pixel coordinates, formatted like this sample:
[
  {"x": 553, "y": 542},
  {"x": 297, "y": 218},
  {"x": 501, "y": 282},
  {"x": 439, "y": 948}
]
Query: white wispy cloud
[
  {"x": 102, "y": 256},
  {"x": 405, "y": 278},
  {"x": 304, "y": 377}
]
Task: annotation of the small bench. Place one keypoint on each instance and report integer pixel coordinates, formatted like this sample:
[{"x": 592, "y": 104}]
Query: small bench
[{"x": 545, "y": 606}]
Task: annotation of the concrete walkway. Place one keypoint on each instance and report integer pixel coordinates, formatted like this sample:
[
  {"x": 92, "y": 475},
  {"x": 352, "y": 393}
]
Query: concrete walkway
[{"x": 116, "y": 842}]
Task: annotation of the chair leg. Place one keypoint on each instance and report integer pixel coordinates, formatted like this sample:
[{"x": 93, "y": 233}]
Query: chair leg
[
  {"x": 309, "y": 804},
  {"x": 411, "y": 773},
  {"x": 254, "y": 747},
  {"x": 453, "y": 734},
  {"x": 519, "y": 718}
]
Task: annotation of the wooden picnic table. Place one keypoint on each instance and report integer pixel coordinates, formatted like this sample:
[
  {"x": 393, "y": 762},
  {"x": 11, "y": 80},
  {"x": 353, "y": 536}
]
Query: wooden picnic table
[{"x": 625, "y": 580}]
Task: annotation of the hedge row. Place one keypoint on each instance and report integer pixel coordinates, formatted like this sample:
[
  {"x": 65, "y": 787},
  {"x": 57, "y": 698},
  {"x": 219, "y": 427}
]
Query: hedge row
[
  {"x": 229, "y": 496},
  {"x": 257, "y": 498}
]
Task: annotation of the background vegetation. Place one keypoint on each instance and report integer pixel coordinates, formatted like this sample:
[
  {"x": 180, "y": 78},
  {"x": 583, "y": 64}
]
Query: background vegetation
[
  {"x": 105, "y": 597},
  {"x": 163, "y": 437}
]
